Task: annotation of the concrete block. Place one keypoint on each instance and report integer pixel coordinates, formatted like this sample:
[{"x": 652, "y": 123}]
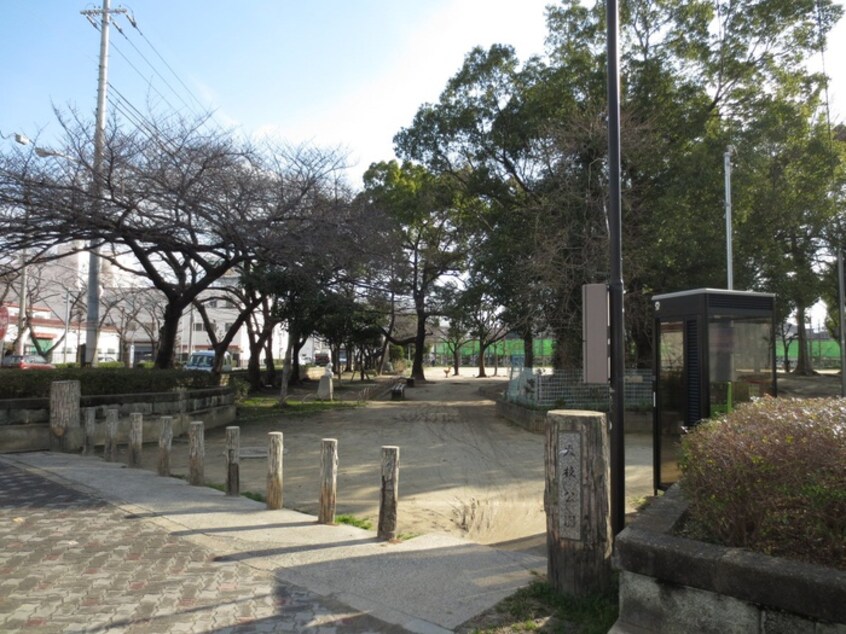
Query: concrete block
[{"x": 663, "y": 607}]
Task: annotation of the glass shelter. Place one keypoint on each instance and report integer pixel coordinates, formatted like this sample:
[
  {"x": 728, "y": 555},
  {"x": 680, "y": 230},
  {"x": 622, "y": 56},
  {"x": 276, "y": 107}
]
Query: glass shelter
[{"x": 713, "y": 349}]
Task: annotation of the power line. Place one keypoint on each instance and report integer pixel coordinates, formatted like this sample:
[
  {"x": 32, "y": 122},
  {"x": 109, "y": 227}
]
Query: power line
[
  {"x": 134, "y": 24},
  {"x": 203, "y": 110},
  {"x": 156, "y": 71}
]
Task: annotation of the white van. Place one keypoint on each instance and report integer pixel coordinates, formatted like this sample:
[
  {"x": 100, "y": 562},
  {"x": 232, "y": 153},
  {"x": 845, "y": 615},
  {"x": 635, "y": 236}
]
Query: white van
[{"x": 203, "y": 361}]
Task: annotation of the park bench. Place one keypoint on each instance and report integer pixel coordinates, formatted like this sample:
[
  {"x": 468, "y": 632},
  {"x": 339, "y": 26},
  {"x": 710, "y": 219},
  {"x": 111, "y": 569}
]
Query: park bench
[{"x": 398, "y": 391}]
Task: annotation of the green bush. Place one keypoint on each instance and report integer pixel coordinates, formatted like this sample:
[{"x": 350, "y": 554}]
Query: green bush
[
  {"x": 36, "y": 383},
  {"x": 240, "y": 386},
  {"x": 771, "y": 476}
]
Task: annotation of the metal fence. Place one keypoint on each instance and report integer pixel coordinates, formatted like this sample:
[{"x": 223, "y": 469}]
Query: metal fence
[{"x": 542, "y": 388}]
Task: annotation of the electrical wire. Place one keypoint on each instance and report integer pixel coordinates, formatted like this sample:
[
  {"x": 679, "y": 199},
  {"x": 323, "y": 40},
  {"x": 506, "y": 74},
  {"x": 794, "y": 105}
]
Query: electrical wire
[
  {"x": 134, "y": 115},
  {"x": 134, "y": 23},
  {"x": 158, "y": 74}
]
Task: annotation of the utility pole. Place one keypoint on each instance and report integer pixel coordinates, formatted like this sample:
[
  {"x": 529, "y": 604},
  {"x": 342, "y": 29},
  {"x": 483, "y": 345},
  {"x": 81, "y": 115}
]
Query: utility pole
[
  {"x": 20, "y": 342},
  {"x": 93, "y": 317}
]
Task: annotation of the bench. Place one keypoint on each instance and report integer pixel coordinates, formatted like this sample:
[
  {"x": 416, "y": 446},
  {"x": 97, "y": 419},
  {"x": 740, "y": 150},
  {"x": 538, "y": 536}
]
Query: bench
[{"x": 398, "y": 391}]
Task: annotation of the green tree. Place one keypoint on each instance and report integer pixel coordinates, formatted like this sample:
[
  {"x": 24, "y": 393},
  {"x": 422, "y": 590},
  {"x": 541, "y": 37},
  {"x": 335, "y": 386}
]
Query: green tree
[{"x": 428, "y": 214}]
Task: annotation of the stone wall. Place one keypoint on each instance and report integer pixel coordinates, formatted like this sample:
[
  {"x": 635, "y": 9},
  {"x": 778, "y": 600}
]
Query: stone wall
[
  {"x": 24, "y": 423},
  {"x": 670, "y": 583}
]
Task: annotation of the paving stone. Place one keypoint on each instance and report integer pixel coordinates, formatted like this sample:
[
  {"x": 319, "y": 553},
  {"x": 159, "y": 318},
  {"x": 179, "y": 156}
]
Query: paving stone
[{"x": 73, "y": 563}]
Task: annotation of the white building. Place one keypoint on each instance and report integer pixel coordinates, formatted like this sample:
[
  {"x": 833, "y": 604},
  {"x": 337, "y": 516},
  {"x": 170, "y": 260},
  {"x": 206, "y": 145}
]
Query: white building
[{"x": 130, "y": 314}]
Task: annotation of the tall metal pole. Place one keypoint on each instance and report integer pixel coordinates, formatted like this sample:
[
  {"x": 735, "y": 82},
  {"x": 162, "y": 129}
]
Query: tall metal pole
[
  {"x": 615, "y": 224},
  {"x": 729, "y": 264},
  {"x": 20, "y": 342},
  {"x": 93, "y": 315},
  {"x": 841, "y": 299}
]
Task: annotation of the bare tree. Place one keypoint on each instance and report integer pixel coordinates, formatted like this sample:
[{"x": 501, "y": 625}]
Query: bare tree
[{"x": 180, "y": 205}]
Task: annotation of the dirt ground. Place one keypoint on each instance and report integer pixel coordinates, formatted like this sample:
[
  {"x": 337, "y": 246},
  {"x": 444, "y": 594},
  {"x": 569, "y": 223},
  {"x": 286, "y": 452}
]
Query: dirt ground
[{"x": 463, "y": 470}]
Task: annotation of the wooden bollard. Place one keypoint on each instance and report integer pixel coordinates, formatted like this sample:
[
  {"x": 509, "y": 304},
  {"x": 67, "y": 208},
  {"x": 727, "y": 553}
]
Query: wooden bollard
[
  {"x": 136, "y": 432},
  {"x": 328, "y": 480},
  {"x": 165, "y": 444},
  {"x": 233, "y": 460},
  {"x": 274, "y": 470},
  {"x": 577, "y": 502},
  {"x": 110, "y": 447},
  {"x": 65, "y": 430},
  {"x": 387, "y": 528},
  {"x": 196, "y": 453},
  {"x": 90, "y": 431}
]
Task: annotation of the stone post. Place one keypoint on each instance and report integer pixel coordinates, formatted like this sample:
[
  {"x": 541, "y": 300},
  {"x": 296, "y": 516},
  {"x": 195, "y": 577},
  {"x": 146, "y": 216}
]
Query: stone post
[
  {"x": 387, "y": 528},
  {"x": 233, "y": 461},
  {"x": 325, "y": 390},
  {"x": 577, "y": 502},
  {"x": 136, "y": 431},
  {"x": 165, "y": 444},
  {"x": 196, "y": 453},
  {"x": 65, "y": 430},
  {"x": 90, "y": 426},
  {"x": 328, "y": 480},
  {"x": 110, "y": 446},
  {"x": 274, "y": 469}
]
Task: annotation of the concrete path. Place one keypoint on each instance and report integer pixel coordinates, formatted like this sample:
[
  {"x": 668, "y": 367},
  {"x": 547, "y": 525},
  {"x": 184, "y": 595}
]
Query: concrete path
[{"x": 94, "y": 546}]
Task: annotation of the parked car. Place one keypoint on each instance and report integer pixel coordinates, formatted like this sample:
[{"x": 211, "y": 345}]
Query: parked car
[
  {"x": 27, "y": 362},
  {"x": 203, "y": 361},
  {"x": 322, "y": 358}
]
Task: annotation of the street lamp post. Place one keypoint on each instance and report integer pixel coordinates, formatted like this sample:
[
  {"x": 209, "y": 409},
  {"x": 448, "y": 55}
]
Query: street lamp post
[{"x": 729, "y": 265}]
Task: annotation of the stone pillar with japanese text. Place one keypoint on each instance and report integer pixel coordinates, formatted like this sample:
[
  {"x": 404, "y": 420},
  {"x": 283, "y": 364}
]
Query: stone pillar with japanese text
[{"x": 577, "y": 502}]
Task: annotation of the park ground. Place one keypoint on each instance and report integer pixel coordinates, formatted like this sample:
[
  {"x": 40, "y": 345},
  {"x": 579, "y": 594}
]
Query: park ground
[{"x": 463, "y": 471}]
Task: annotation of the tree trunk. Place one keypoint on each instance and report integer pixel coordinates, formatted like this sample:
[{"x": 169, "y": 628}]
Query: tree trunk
[
  {"x": 456, "y": 360},
  {"x": 528, "y": 349},
  {"x": 482, "y": 349},
  {"x": 419, "y": 342},
  {"x": 804, "y": 363},
  {"x": 269, "y": 363},
  {"x": 168, "y": 333},
  {"x": 286, "y": 371}
]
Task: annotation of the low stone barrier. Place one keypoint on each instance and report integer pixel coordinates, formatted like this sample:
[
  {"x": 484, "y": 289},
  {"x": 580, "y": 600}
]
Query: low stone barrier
[
  {"x": 24, "y": 423},
  {"x": 534, "y": 420},
  {"x": 670, "y": 583}
]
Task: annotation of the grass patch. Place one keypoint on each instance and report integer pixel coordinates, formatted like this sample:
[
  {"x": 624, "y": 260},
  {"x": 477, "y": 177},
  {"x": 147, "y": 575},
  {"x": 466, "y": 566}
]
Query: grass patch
[
  {"x": 252, "y": 495},
  {"x": 351, "y": 520},
  {"x": 257, "y": 408},
  {"x": 306, "y": 408},
  {"x": 538, "y": 608}
]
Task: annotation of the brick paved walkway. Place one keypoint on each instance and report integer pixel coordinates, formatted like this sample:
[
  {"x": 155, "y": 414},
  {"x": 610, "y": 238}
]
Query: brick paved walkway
[{"x": 70, "y": 562}]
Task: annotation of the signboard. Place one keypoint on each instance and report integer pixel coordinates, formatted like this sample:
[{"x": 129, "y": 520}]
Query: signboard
[{"x": 4, "y": 321}]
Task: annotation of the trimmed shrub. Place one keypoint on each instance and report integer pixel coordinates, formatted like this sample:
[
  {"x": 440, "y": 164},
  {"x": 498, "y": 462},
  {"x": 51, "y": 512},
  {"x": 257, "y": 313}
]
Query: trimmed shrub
[
  {"x": 36, "y": 383},
  {"x": 771, "y": 476}
]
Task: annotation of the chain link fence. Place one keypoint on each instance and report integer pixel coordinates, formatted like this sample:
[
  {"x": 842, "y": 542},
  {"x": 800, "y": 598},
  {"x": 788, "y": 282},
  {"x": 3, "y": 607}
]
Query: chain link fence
[{"x": 542, "y": 388}]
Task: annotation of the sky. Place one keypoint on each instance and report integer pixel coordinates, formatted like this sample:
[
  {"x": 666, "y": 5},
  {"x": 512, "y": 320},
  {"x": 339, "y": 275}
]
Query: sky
[{"x": 334, "y": 73}]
